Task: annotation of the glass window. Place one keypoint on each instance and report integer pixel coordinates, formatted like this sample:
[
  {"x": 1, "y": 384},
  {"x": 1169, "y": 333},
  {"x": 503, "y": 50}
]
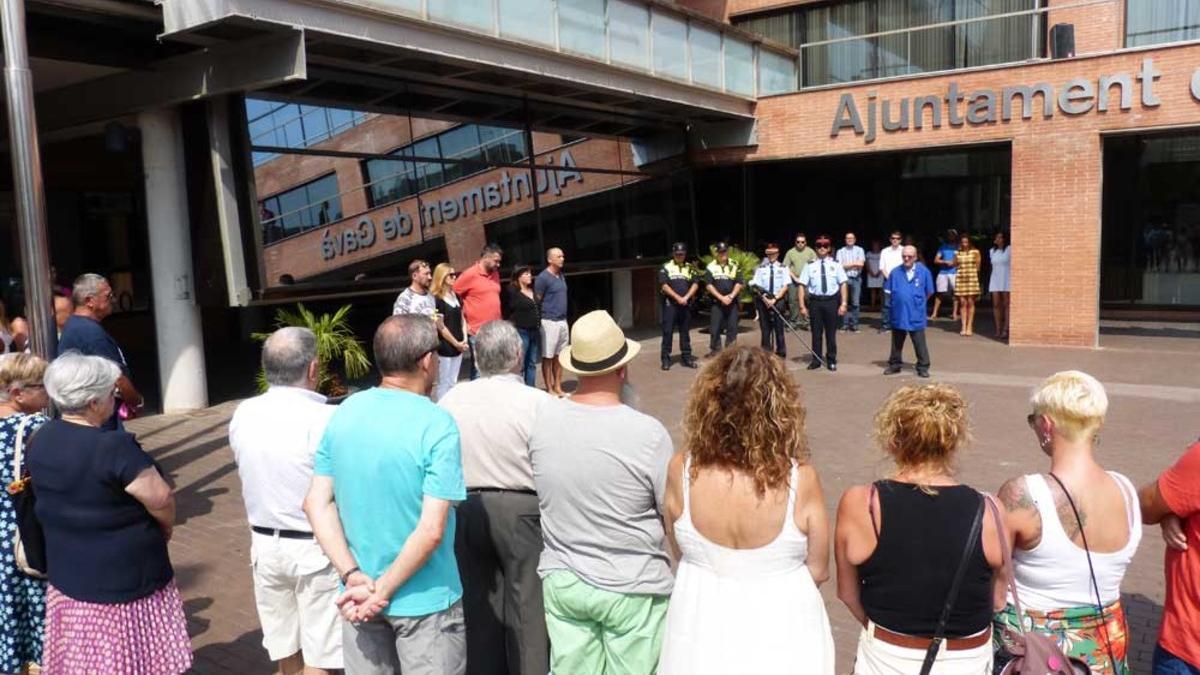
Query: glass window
[
  {"x": 460, "y": 143},
  {"x": 581, "y": 27},
  {"x": 739, "y": 66},
  {"x": 670, "y": 46},
  {"x": 629, "y": 33},
  {"x": 292, "y": 125},
  {"x": 429, "y": 174},
  {"x": 472, "y": 13},
  {"x": 1149, "y": 22},
  {"x": 782, "y": 27},
  {"x": 776, "y": 73},
  {"x": 502, "y": 144},
  {"x": 706, "y": 56},
  {"x": 301, "y": 208},
  {"x": 527, "y": 20}
]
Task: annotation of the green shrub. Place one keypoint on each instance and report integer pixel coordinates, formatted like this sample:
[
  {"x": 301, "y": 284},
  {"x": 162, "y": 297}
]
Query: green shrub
[{"x": 336, "y": 342}]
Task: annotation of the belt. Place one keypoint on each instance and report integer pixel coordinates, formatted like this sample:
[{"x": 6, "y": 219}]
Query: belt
[
  {"x": 824, "y": 297},
  {"x": 282, "y": 534},
  {"x": 478, "y": 490},
  {"x": 914, "y": 642}
]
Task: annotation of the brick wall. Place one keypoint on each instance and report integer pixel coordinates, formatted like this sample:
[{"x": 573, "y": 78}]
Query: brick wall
[{"x": 1098, "y": 28}]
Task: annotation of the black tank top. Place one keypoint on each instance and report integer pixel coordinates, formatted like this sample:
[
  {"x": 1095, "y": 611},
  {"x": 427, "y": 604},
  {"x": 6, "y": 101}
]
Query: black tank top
[{"x": 921, "y": 540}]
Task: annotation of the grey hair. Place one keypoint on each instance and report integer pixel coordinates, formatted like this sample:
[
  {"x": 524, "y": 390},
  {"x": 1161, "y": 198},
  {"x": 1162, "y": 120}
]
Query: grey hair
[
  {"x": 287, "y": 354},
  {"x": 497, "y": 348},
  {"x": 85, "y": 286},
  {"x": 74, "y": 380},
  {"x": 401, "y": 341}
]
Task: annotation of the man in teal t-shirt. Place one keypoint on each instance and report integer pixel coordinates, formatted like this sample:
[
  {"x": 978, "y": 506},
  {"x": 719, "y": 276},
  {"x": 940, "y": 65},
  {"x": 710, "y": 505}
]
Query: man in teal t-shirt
[{"x": 386, "y": 475}]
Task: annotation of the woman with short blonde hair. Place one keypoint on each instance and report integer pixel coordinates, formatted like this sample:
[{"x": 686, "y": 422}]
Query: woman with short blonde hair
[
  {"x": 746, "y": 520},
  {"x": 900, "y": 543},
  {"x": 1074, "y": 529}
]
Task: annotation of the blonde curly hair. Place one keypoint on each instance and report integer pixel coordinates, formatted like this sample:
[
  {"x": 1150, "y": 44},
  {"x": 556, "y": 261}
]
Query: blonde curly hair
[
  {"x": 923, "y": 426},
  {"x": 744, "y": 412}
]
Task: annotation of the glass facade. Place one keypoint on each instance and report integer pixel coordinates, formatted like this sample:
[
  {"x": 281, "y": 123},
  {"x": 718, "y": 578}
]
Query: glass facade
[
  {"x": 300, "y": 209},
  {"x": 1149, "y": 22},
  {"x": 832, "y": 53},
  {"x": 293, "y": 125}
]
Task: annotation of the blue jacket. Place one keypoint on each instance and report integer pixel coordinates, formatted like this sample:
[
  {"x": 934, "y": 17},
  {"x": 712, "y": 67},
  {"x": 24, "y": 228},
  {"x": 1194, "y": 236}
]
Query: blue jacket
[{"x": 909, "y": 297}]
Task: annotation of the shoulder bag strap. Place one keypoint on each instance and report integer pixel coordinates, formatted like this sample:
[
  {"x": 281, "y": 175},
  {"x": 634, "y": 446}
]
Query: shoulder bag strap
[
  {"x": 1092, "y": 570},
  {"x": 952, "y": 596},
  {"x": 19, "y": 448},
  {"x": 1007, "y": 566}
]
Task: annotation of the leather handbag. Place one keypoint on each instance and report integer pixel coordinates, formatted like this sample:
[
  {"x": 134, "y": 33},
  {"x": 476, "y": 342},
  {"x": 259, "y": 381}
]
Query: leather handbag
[{"x": 29, "y": 542}]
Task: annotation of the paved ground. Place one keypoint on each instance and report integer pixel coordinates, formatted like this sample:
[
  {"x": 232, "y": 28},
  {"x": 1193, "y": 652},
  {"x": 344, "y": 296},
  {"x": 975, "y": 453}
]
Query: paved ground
[{"x": 1153, "y": 382}]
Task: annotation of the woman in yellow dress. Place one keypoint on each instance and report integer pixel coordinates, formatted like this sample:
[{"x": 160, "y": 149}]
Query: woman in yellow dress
[{"x": 967, "y": 282}]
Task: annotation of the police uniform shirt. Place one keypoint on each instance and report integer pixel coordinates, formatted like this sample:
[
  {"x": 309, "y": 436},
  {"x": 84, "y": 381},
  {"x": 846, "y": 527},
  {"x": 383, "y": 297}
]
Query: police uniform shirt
[
  {"x": 822, "y": 277},
  {"x": 771, "y": 277},
  {"x": 722, "y": 277},
  {"x": 677, "y": 276}
]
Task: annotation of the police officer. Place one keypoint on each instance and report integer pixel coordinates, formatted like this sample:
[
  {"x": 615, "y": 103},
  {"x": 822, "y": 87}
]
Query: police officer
[
  {"x": 771, "y": 281},
  {"x": 678, "y": 283},
  {"x": 822, "y": 301},
  {"x": 723, "y": 281}
]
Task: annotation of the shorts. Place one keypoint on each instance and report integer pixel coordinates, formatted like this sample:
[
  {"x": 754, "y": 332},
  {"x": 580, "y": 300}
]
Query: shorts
[
  {"x": 295, "y": 589},
  {"x": 555, "y": 337},
  {"x": 946, "y": 283},
  {"x": 434, "y": 644}
]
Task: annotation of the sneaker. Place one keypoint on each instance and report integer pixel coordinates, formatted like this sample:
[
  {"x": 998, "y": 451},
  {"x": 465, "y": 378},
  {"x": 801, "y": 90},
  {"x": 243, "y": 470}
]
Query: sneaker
[
  {"x": 854, "y": 329},
  {"x": 891, "y": 370}
]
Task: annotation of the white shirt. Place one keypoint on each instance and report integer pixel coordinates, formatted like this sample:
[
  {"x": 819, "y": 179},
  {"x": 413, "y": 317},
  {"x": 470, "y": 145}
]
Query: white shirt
[
  {"x": 495, "y": 415},
  {"x": 891, "y": 258},
  {"x": 851, "y": 254},
  {"x": 411, "y": 302},
  {"x": 274, "y": 437}
]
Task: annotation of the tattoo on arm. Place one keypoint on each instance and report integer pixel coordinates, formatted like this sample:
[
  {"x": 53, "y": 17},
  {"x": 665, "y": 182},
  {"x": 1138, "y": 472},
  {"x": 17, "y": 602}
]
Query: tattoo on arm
[
  {"x": 1014, "y": 496},
  {"x": 1016, "y": 499}
]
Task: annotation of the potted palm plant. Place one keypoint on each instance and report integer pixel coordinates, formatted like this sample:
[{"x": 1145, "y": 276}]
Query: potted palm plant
[{"x": 336, "y": 344}]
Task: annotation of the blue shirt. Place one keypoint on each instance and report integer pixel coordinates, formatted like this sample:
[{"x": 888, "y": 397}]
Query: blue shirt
[
  {"x": 822, "y": 283},
  {"x": 86, "y": 336},
  {"x": 909, "y": 296},
  {"x": 385, "y": 449},
  {"x": 552, "y": 289},
  {"x": 947, "y": 252},
  {"x": 771, "y": 277}
]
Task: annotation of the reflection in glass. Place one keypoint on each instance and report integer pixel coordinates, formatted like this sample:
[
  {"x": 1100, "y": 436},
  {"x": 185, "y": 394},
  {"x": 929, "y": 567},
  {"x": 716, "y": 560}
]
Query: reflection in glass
[
  {"x": 300, "y": 209},
  {"x": 670, "y": 46},
  {"x": 472, "y": 13},
  {"x": 629, "y": 33},
  {"x": 1151, "y": 22},
  {"x": 581, "y": 27},
  {"x": 706, "y": 55},
  {"x": 739, "y": 66},
  {"x": 527, "y": 20},
  {"x": 776, "y": 73}
]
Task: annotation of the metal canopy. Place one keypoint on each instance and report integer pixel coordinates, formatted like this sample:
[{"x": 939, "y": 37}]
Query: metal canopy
[{"x": 383, "y": 62}]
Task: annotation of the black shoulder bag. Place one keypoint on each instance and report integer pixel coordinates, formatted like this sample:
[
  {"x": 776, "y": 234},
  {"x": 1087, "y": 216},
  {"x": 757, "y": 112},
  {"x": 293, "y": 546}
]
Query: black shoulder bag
[{"x": 940, "y": 634}]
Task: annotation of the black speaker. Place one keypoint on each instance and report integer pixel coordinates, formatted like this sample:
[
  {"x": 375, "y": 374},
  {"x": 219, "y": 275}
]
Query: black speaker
[{"x": 1062, "y": 40}]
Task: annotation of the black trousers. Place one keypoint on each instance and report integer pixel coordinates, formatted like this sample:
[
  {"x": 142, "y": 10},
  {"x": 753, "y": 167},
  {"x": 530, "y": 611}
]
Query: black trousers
[
  {"x": 822, "y": 314},
  {"x": 770, "y": 322},
  {"x": 918, "y": 340},
  {"x": 723, "y": 320},
  {"x": 675, "y": 316},
  {"x": 498, "y": 540}
]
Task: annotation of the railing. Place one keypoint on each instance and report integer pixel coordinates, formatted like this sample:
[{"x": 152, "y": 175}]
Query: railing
[{"x": 637, "y": 35}]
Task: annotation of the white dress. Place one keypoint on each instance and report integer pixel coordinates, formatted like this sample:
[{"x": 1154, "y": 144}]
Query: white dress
[
  {"x": 999, "y": 280},
  {"x": 873, "y": 266},
  {"x": 745, "y": 610}
]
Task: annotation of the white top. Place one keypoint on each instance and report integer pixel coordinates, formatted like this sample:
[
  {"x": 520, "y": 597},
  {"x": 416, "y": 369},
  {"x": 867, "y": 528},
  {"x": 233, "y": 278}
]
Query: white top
[
  {"x": 890, "y": 258},
  {"x": 1054, "y": 575},
  {"x": 1001, "y": 270},
  {"x": 745, "y": 610},
  {"x": 495, "y": 416},
  {"x": 274, "y": 437},
  {"x": 410, "y": 302}
]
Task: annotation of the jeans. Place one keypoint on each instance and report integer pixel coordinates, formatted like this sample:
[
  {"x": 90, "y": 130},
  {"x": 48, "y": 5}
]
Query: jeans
[
  {"x": 1166, "y": 663},
  {"x": 471, "y": 350},
  {"x": 886, "y": 318},
  {"x": 531, "y": 347},
  {"x": 854, "y": 293}
]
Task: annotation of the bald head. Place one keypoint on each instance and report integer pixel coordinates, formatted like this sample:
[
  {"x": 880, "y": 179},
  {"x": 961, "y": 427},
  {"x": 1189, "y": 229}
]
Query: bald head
[
  {"x": 287, "y": 357},
  {"x": 909, "y": 254},
  {"x": 555, "y": 257}
]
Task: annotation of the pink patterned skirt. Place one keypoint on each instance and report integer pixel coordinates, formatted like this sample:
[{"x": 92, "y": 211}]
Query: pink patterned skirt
[{"x": 147, "y": 636}]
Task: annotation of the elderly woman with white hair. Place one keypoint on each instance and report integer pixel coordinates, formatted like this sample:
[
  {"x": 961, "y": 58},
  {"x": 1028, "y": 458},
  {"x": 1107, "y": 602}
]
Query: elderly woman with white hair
[
  {"x": 106, "y": 511},
  {"x": 1074, "y": 530}
]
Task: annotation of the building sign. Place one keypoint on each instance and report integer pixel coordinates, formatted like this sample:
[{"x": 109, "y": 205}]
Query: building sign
[
  {"x": 364, "y": 232},
  {"x": 957, "y": 108}
]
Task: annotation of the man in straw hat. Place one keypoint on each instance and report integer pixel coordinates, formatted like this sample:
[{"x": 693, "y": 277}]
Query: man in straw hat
[{"x": 600, "y": 471}]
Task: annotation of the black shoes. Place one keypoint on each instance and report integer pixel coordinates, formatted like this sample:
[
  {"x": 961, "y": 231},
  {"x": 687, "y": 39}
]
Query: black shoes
[
  {"x": 814, "y": 365},
  {"x": 923, "y": 373},
  {"x": 690, "y": 363},
  {"x": 666, "y": 365},
  {"x": 712, "y": 353},
  {"x": 891, "y": 370},
  {"x": 832, "y": 366}
]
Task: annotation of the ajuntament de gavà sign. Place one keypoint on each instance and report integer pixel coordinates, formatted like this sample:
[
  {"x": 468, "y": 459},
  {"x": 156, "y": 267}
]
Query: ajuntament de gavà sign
[
  {"x": 363, "y": 234},
  {"x": 1077, "y": 96}
]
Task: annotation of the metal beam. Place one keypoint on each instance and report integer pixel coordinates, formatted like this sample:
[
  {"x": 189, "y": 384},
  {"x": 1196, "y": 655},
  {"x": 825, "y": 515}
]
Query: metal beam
[
  {"x": 229, "y": 68},
  {"x": 225, "y": 189}
]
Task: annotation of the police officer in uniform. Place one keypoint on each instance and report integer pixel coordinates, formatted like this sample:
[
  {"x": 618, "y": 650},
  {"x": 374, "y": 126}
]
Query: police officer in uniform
[
  {"x": 771, "y": 281},
  {"x": 679, "y": 285},
  {"x": 723, "y": 281},
  {"x": 822, "y": 301}
]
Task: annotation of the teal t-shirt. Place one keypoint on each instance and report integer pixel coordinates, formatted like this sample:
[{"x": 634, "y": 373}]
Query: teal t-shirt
[{"x": 385, "y": 449}]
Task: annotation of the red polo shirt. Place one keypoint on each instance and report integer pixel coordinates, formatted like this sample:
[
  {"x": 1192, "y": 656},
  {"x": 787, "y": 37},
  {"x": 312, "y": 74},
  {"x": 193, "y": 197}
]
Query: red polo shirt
[
  {"x": 480, "y": 295},
  {"x": 1180, "y": 630}
]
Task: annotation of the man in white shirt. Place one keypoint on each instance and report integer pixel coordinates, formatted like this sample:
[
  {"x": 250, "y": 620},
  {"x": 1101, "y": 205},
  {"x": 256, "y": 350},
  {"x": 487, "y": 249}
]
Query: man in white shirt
[
  {"x": 274, "y": 437},
  {"x": 499, "y": 535},
  {"x": 416, "y": 299},
  {"x": 889, "y": 259}
]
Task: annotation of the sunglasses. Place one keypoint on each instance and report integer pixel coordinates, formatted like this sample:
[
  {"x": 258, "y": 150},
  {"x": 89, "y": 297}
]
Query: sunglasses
[{"x": 451, "y": 274}]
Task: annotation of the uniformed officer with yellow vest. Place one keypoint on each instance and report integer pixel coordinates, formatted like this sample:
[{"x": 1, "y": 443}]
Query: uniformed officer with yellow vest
[
  {"x": 723, "y": 281},
  {"x": 678, "y": 282}
]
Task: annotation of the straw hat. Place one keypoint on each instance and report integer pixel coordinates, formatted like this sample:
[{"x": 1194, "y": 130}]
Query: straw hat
[{"x": 598, "y": 346}]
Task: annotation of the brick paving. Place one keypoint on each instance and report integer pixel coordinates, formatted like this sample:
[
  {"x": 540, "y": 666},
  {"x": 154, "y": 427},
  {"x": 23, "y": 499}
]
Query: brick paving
[{"x": 1154, "y": 385}]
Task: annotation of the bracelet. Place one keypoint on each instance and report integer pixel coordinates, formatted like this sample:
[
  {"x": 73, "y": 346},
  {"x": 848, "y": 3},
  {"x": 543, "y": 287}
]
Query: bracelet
[{"x": 352, "y": 570}]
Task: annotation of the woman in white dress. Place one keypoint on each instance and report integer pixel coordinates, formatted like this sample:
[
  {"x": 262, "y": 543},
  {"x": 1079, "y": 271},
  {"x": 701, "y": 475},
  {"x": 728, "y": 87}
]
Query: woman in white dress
[
  {"x": 999, "y": 285},
  {"x": 874, "y": 274},
  {"x": 746, "y": 521}
]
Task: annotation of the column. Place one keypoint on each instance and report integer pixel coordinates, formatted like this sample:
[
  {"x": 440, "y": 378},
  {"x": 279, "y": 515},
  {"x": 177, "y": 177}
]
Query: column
[
  {"x": 622, "y": 298},
  {"x": 176, "y": 316}
]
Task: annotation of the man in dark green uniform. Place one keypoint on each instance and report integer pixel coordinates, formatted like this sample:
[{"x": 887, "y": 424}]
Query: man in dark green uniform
[
  {"x": 678, "y": 283},
  {"x": 723, "y": 281}
]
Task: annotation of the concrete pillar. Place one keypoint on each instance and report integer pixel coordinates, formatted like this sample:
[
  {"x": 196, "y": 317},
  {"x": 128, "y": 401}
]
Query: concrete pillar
[
  {"x": 176, "y": 316},
  {"x": 622, "y": 294}
]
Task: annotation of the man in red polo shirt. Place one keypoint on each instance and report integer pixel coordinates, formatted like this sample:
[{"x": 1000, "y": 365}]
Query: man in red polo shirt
[
  {"x": 1174, "y": 501},
  {"x": 478, "y": 288}
]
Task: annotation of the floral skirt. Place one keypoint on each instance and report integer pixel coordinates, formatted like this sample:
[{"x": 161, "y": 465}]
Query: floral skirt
[
  {"x": 147, "y": 636},
  {"x": 1079, "y": 632}
]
